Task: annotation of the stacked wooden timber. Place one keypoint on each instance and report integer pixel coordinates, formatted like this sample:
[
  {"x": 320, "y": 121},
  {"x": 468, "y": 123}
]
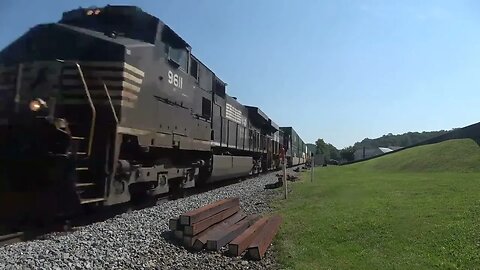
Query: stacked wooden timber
[
  {"x": 257, "y": 238},
  {"x": 215, "y": 225}
]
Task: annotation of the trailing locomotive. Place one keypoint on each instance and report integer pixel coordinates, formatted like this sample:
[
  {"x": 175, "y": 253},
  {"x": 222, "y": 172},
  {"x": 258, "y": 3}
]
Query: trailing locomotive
[{"x": 109, "y": 104}]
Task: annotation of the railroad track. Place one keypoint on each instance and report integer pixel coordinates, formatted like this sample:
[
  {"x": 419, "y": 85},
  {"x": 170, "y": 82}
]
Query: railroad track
[
  {"x": 103, "y": 214},
  {"x": 11, "y": 238}
]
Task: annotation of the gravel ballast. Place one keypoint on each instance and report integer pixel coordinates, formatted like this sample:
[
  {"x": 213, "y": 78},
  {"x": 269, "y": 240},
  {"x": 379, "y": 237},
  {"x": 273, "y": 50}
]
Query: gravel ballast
[{"x": 141, "y": 239}]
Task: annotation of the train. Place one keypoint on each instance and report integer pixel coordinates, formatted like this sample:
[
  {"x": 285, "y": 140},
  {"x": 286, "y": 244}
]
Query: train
[{"x": 110, "y": 104}]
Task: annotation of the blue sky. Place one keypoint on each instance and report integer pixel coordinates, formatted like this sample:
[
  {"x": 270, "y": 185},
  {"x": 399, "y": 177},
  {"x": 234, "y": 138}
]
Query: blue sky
[{"x": 337, "y": 70}]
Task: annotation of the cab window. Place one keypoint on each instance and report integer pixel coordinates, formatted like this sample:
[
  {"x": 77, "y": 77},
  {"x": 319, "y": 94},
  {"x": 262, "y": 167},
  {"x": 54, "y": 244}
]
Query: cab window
[
  {"x": 194, "y": 68},
  {"x": 176, "y": 49}
]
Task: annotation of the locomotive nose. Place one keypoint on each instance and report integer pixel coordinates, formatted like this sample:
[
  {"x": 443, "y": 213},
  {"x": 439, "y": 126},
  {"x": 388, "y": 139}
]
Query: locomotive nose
[{"x": 34, "y": 169}]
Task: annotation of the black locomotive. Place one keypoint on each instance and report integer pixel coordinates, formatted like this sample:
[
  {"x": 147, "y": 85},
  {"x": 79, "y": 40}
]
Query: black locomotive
[{"x": 109, "y": 104}]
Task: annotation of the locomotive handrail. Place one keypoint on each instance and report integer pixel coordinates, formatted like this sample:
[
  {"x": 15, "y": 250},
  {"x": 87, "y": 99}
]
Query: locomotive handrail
[
  {"x": 18, "y": 86},
  {"x": 110, "y": 101},
  {"x": 94, "y": 111}
]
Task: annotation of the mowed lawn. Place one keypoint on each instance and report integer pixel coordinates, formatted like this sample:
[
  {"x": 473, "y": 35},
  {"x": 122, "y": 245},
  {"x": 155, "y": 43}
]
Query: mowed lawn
[{"x": 407, "y": 210}]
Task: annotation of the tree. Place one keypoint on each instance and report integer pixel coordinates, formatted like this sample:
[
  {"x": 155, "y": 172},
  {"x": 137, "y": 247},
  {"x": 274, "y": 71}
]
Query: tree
[
  {"x": 334, "y": 153},
  {"x": 322, "y": 148},
  {"x": 327, "y": 150},
  {"x": 402, "y": 140},
  {"x": 348, "y": 153}
]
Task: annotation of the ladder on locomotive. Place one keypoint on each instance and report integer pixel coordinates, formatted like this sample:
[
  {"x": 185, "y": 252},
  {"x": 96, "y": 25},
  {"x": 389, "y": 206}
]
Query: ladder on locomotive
[{"x": 82, "y": 143}]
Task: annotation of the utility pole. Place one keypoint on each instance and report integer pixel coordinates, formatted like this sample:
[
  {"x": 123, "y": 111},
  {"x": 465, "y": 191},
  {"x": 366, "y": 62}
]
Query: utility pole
[
  {"x": 284, "y": 169},
  {"x": 312, "y": 164}
]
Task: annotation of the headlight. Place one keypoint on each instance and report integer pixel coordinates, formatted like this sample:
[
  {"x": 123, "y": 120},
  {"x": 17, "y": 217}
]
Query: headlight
[{"x": 37, "y": 104}]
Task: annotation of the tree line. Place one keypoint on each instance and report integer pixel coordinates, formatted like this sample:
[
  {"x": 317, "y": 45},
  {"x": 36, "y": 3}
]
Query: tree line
[
  {"x": 330, "y": 152},
  {"x": 401, "y": 140}
]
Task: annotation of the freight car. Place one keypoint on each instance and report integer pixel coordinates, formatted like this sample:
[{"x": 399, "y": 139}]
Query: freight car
[
  {"x": 296, "y": 150},
  {"x": 109, "y": 104}
]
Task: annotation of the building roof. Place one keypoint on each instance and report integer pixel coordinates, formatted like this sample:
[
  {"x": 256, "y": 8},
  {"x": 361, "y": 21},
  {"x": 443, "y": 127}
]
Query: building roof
[{"x": 385, "y": 149}]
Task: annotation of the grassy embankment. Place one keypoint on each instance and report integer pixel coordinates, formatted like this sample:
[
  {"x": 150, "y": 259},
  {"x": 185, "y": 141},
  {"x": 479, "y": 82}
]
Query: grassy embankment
[{"x": 416, "y": 209}]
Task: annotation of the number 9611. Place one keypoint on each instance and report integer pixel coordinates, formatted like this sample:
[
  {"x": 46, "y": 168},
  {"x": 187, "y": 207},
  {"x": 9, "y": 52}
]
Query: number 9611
[{"x": 174, "y": 79}]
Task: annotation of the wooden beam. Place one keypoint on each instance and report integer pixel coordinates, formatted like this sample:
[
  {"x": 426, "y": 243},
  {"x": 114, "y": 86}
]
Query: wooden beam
[
  {"x": 241, "y": 242},
  {"x": 202, "y": 225},
  {"x": 259, "y": 246},
  {"x": 178, "y": 234},
  {"x": 195, "y": 216},
  {"x": 217, "y": 241},
  {"x": 198, "y": 241},
  {"x": 188, "y": 241},
  {"x": 174, "y": 224}
]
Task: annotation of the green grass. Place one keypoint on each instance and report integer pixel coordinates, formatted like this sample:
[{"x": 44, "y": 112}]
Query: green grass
[
  {"x": 449, "y": 156},
  {"x": 387, "y": 213}
]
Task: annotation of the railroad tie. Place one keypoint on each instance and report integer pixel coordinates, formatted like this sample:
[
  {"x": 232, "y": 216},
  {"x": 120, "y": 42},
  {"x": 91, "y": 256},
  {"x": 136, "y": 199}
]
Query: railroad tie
[
  {"x": 260, "y": 244},
  {"x": 241, "y": 242}
]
